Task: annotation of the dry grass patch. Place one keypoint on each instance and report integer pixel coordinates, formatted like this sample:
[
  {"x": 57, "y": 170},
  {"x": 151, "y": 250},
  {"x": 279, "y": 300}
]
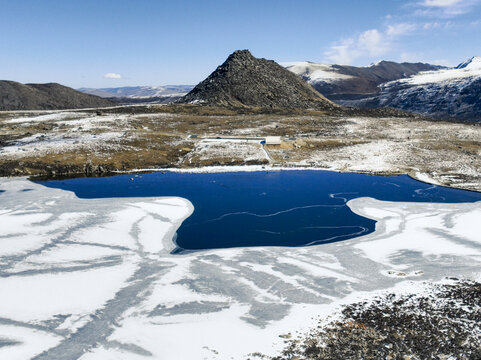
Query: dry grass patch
[{"x": 469, "y": 147}]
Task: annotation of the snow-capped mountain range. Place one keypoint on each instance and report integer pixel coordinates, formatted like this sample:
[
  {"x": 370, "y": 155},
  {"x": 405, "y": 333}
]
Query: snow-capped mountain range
[
  {"x": 453, "y": 93},
  {"x": 467, "y": 69},
  {"x": 342, "y": 82},
  {"x": 446, "y": 93},
  {"x": 138, "y": 92}
]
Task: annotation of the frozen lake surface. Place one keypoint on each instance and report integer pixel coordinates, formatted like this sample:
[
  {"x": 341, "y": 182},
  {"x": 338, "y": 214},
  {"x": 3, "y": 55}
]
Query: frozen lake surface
[
  {"x": 85, "y": 276},
  {"x": 266, "y": 208}
]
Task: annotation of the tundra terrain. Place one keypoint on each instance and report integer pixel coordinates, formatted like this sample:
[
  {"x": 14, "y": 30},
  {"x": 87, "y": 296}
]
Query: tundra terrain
[{"x": 124, "y": 139}]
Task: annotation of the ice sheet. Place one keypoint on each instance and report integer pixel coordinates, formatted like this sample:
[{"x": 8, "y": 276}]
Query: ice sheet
[{"x": 94, "y": 279}]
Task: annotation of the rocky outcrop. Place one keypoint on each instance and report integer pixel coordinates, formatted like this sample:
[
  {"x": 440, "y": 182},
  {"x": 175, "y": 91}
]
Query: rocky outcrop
[{"x": 245, "y": 81}]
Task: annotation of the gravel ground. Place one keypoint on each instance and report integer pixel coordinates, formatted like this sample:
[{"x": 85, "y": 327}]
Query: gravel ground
[{"x": 443, "y": 322}]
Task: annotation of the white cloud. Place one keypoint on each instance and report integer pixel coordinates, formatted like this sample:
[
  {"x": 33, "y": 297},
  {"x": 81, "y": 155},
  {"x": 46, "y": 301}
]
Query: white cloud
[
  {"x": 431, "y": 25},
  {"x": 449, "y": 25},
  {"x": 112, "y": 76},
  {"x": 370, "y": 43},
  {"x": 441, "y": 3},
  {"x": 400, "y": 29},
  {"x": 446, "y": 25},
  {"x": 344, "y": 52},
  {"x": 444, "y": 8},
  {"x": 434, "y": 15},
  {"x": 373, "y": 42}
]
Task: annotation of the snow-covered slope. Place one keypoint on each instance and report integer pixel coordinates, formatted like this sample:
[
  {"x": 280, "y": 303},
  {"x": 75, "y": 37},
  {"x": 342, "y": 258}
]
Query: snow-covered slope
[
  {"x": 315, "y": 73},
  {"x": 452, "y": 93},
  {"x": 467, "y": 69},
  {"x": 343, "y": 82}
]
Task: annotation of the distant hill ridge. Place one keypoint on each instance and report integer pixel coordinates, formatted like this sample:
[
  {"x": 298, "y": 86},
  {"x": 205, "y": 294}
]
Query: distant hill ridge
[
  {"x": 447, "y": 93},
  {"x": 51, "y": 96},
  {"x": 139, "y": 92},
  {"x": 344, "y": 82},
  {"x": 246, "y": 81}
]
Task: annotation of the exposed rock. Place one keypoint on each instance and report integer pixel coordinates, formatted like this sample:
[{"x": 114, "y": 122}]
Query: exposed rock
[
  {"x": 245, "y": 81},
  {"x": 443, "y": 323}
]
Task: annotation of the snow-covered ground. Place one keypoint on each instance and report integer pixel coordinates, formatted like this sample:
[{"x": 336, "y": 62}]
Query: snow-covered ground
[
  {"x": 63, "y": 132},
  {"x": 239, "y": 150},
  {"x": 94, "y": 279}
]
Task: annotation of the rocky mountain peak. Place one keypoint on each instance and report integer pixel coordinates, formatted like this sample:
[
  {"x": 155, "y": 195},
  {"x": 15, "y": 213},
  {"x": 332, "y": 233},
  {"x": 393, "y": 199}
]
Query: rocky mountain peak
[
  {"x": 246, "y": 81},
  {"x": 240, "y": 55},
  {"x": 475, "y": 61}
]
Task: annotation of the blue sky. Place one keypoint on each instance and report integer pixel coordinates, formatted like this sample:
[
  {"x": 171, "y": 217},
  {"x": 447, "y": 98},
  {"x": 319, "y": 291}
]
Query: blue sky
[{"x": 110, "y": 43}]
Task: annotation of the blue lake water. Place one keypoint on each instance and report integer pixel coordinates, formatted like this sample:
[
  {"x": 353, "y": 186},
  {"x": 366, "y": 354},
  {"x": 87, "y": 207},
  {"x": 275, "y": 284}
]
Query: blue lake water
[{"x": 266, "y": 208}]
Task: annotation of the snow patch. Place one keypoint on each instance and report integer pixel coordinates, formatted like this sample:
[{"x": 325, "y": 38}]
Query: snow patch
[
  {"x": 315, "y": 73},
  {"x": 468, "y": 69}
]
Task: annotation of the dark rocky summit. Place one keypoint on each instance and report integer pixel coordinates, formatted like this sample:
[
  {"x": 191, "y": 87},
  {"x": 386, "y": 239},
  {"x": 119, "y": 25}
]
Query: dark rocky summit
[
  {"x": 245, "y": 81},
  {"x": 51, "y": 96}
]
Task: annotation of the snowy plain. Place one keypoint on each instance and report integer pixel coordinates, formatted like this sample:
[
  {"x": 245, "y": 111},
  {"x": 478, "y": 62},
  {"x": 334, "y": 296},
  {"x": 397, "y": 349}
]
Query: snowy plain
[{"x": 94, "y": 278}]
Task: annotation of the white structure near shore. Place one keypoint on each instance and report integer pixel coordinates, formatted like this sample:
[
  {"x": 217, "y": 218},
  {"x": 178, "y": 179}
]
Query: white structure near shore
[{"x": 273, "y": 140}]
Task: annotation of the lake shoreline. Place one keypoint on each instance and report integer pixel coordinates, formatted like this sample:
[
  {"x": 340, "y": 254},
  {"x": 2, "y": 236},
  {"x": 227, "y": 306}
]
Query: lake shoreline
[
  {"x": 419, "y": 176},
  {"x": 86, "y": 144}
]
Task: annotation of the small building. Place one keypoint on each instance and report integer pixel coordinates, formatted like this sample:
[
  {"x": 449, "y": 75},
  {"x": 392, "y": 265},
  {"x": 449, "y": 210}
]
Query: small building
[{"x": 273, "y": 140}]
